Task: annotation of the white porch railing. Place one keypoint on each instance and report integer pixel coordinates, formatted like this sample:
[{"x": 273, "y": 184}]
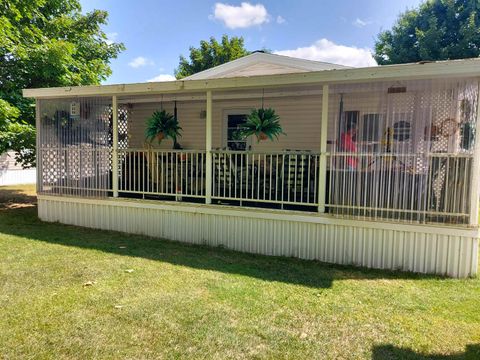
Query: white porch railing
[
  {"x": 427, "y": 187},
  {"x": 277, "y": 178},
  {"x": 162, "y": 172},
  {"x": 273, "y": 177},
  {"x": 410, "y": 187}
]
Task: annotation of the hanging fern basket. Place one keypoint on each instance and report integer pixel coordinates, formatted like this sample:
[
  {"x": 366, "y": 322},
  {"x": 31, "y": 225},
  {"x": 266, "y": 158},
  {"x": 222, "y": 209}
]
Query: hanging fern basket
[
  {"x": 263, "y": 123},
  {"x": 262, "y": 136},
  {"x": 162, "y": 125}
]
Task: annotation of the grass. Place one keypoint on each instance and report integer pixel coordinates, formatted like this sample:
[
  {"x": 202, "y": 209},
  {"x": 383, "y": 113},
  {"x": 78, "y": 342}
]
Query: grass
[{"x": 185, "y": 301}]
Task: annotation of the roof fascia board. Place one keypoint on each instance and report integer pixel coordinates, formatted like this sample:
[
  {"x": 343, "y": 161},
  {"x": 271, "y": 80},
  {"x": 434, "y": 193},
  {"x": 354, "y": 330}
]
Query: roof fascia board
[
  {"x": 222, "y": 96},
  {"x": 444, "y": 69}
]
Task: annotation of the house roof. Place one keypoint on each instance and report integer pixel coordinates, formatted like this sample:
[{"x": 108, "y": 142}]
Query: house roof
[
  {"x": 260, "y": 63},
  {"x": 423, "y": 70}
]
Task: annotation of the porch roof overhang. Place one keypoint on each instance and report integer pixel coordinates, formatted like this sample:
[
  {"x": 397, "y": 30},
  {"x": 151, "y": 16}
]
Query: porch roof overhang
[{"x": 444, "y": 69}]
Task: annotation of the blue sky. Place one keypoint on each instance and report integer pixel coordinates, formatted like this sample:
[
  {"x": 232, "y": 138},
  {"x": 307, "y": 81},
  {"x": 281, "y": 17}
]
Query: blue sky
[{"x": 156, "y": 32}]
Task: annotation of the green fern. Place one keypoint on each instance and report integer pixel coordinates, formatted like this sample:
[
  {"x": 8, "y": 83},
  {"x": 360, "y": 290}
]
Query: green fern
[
  {"x": 164, "y": 123},
  {"x": 262, "y": 121}
]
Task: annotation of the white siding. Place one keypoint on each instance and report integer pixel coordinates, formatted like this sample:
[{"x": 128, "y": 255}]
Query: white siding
[
  {"x": 193, "y": 134},
  {"x": 14, "y": 174},
  {"x": 18, "y": 177},
  {"x": 300, "y": 118},
  {"x": 417, "y": 248}
]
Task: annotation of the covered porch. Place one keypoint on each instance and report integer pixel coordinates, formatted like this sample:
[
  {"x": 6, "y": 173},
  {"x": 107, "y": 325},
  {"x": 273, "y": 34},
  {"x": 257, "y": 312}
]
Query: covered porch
[{"x": 413, "y": 162}]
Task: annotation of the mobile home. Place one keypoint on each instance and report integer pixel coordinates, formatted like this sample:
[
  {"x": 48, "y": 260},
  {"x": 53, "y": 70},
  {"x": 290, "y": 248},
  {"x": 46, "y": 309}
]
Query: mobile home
[{"x": 406, "y": 197}]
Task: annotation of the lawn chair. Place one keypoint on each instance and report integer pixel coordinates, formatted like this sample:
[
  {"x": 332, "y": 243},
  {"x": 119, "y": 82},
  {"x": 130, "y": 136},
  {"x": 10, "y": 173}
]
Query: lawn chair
[
  {"x": 296, "y": 177},
  {"x": 222, "y": 174}
]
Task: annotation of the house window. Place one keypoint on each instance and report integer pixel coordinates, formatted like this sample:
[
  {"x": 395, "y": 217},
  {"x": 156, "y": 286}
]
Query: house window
[
  {"x": 233, "y": 138},
  {"x": 371, "y": 128}
]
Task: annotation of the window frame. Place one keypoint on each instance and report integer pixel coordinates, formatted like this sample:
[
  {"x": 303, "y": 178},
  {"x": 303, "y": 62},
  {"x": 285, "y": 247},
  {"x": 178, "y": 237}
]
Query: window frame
[{"x": 226, "y": 114}]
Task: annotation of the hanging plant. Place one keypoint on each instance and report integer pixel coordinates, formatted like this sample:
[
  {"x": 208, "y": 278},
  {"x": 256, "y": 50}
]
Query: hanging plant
[
  {"x": 263, "y": 123},
  {"x": 162, "y": 125}
]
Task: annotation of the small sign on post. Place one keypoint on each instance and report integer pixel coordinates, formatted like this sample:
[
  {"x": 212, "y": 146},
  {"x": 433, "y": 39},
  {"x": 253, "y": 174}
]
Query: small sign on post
[{"x": 75, "y": 109}]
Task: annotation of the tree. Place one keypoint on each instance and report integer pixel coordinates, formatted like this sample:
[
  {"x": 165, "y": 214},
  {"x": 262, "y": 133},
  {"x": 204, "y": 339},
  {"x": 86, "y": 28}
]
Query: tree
[
  {"x": 437, "y": 30},
  {"x": 211, "y": 53},
  {"x": 45, "y": 43}
]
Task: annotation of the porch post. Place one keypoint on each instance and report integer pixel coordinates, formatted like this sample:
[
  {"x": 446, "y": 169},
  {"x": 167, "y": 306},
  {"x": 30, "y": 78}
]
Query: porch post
[
  {"x": 38, "y": 157},
  {"x": 115, "y": 146},
  {"x": 322, "y": 166},
  {"x": 475, "y": 179},
  {"x": 208, "y": 150}
]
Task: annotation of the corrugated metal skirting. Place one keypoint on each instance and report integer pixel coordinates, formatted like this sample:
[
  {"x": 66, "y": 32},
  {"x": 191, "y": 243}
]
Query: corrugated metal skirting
[{"x": 386, "y": 246}]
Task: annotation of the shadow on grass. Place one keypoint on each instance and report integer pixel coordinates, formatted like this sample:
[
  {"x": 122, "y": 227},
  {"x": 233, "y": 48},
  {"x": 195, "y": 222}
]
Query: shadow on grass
[
  {"x": 390, "y": 352},
  {"x": 23, "y": 221},
  {"x": 14, "y": 198}
]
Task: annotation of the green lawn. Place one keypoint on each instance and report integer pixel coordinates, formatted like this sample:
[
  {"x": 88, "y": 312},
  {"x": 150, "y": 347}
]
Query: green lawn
[{"x": 185, "y": 301}]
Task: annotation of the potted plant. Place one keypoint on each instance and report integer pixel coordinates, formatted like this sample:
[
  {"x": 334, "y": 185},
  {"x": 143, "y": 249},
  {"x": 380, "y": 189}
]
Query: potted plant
[
  {"x": 263, "y": 123},
  {"x": 162, "y": 125}
]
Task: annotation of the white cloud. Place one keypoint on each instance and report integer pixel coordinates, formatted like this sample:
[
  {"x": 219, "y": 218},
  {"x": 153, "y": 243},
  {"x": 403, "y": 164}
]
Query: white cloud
[
  {"x": 111, "y": 38},
  {"x": 162, "y": 77},
  {"x": 139, "y": 62},
  {"x": 243, "y": 16},
  {"x": 280, "y": 19},
  {"x": 328, "y": 51},
  {"x": 361, "y": 23}
]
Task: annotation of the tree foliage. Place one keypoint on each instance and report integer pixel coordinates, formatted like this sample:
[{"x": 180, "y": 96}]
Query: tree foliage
[
  {"x": 45, "y": 43},
  {"x": 211, "y": 53},
  {"x": 437, "y": 30}
]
